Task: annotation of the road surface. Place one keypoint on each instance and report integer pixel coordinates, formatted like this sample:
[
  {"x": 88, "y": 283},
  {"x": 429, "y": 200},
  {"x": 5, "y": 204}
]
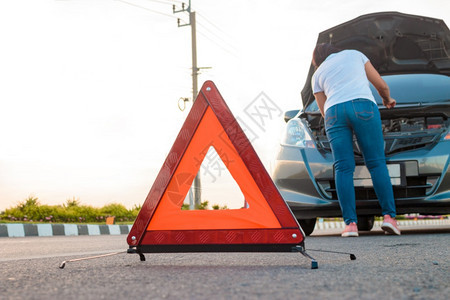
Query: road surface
[{"x": 412, "y": 266}]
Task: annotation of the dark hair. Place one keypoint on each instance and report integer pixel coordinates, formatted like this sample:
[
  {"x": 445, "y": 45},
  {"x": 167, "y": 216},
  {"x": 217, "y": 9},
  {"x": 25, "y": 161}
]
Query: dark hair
[{"x": 321, "y": 52}]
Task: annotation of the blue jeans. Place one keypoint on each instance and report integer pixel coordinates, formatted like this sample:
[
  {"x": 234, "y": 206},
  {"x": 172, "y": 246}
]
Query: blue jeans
[{"x": 361, "y": 117}]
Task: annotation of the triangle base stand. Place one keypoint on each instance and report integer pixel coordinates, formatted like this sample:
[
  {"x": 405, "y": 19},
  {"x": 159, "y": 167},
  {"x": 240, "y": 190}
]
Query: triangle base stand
[
  {"x": 302, "y": 250},
  {"x": 141, "y": 249}
]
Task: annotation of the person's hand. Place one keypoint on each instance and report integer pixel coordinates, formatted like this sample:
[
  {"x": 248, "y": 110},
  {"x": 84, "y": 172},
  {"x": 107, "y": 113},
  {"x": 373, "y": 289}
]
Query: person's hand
[{"x": 390, "y": 103}]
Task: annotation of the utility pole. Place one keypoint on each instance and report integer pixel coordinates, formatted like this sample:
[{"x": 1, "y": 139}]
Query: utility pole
[{"x": 195, "y": 69}]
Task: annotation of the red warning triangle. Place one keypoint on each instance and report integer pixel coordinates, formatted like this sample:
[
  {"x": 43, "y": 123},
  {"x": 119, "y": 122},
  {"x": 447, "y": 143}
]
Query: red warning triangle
[{"x": 162, "y": 226}]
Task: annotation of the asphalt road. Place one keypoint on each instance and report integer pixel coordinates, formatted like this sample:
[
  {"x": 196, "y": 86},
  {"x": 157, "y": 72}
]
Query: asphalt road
[{"x": 412, "y": 266}]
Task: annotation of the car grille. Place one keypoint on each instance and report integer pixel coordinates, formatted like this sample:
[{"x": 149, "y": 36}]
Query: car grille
[
  {"x": 416, "y": 187},
  {"x": 394, "y": 143}
]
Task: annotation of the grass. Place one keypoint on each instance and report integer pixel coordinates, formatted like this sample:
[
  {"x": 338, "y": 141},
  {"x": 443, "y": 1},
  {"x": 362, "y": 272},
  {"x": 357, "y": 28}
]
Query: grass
[{"x": 32, "y": 211}]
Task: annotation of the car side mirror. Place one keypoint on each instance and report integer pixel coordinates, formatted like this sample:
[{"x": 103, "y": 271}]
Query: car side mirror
[{"x": 290, "y": 114}]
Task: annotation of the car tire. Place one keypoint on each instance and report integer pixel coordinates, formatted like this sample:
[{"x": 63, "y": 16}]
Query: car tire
[
  {"x": 307, "y": 225},
  {"x": 365, "y": 223}
]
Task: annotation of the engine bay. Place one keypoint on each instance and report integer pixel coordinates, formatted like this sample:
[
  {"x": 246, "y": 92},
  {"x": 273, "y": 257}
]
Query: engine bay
[
  {"x": 401, "y": 132},
  {"x": 412, "y": 124}
]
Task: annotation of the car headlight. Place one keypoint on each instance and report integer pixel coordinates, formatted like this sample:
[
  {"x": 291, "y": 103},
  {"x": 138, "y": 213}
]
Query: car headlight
[
  {"x": 297, "y": 135},
  {"x": 447, "y": 136}
]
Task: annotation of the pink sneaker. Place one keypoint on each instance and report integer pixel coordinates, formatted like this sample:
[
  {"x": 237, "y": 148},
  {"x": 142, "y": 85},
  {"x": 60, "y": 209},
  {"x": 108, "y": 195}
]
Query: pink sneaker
[
  {"x": 350, "y": 230},
  {"x": 390, "y": 225}
]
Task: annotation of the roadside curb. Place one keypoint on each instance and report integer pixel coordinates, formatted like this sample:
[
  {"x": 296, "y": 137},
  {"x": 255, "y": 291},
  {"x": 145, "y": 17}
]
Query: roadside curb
[
  {"x": 341, "y": 225},
  {"x": 26, "y": 230}
]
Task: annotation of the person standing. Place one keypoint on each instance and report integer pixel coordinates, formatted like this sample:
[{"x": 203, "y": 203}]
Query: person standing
[{"x": 341, "y": 88}]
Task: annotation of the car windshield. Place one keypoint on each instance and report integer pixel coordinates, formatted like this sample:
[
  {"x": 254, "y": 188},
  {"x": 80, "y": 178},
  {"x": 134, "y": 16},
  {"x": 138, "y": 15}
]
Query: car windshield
[
  {"x": 416, "y": 88},
  {"x": 411, "y": 89}
]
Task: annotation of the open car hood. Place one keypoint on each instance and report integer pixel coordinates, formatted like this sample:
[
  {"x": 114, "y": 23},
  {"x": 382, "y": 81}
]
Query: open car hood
[{"x": 394, "y": 43}]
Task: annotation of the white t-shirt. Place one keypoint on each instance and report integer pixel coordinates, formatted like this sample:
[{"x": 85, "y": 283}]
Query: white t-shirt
[{"x": 342, "y": 77}]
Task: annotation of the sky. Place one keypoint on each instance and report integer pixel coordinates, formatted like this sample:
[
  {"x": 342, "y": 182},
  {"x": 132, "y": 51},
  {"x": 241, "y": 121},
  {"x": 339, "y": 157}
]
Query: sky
[{"x": 90, "y": 89}]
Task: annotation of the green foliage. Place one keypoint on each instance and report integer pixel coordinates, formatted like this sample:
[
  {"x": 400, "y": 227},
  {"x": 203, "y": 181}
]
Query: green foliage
[
  {"x": 115, "y": 209},
  {"x": 217, "y": 207},
  {"x": 73, "y": 211},
  {"x": 73, "y": 202},
  {"x": 202, "y": 206},
  {"x": 30, "y": 202},
  {"x": 30, "y": 210}
]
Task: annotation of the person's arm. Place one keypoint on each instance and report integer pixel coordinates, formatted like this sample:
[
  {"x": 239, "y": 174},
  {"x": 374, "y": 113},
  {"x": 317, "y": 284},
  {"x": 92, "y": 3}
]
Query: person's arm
[
  {"x": 320, "y": 99},
  {"x": 381, "y": 86}
]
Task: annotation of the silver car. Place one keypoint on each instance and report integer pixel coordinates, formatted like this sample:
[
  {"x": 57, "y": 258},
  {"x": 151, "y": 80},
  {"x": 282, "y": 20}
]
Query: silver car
[{"x": 412, "y": 55}]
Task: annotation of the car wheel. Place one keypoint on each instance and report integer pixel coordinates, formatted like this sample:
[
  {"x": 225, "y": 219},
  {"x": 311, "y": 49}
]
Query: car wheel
[
  {"x": 307, "y": 225},
  {"x": 365, "y": 223}
]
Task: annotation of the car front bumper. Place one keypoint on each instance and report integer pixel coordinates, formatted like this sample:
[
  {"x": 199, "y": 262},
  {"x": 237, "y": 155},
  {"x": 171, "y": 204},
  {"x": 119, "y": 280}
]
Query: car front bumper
[{"x": 305, "y": 178}]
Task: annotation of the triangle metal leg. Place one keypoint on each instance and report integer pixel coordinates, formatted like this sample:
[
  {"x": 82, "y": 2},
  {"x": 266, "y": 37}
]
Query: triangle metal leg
[
  {"x": 301, "y": 249},
  {"x": 133, "y": 250}
]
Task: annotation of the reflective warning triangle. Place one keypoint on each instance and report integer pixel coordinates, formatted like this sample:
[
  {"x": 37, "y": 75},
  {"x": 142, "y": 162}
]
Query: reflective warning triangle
[{"x": 265, "y": 224}]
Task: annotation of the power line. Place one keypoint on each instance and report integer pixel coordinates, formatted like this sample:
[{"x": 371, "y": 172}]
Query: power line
[
  {"x": 207, "y": 28},
  {"x": 214, "y": 25},
  {"x": 203, "y": 26},
  {"x": 206, "y": 19},
  {"x": 165, "y": 2},
  {"x": 148, "y": 9},
  {"x": 159, "y": 1},
  {"x": 217, "y": 36},
  {"x": 173, "y": 1},
  {"x": 217, "y": 44}
]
